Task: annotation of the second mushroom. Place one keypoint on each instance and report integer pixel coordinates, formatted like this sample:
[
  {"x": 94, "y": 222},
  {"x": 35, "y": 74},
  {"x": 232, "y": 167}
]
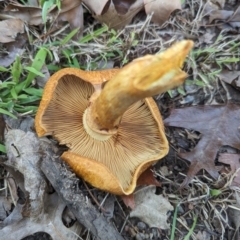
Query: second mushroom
[{"x": 108, "y": 120}]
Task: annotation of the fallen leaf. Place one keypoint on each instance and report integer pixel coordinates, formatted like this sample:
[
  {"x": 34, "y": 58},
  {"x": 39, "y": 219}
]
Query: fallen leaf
[
  {"x": 50, "y": 221},
  {"x": 218, "y": 124},
  {"x": 118, "y": 13},
  {"x": 151, "y": 208},
  {"x": 71, "y": 11},
  {"x": 220, "y": 3},
  {"x": 231, "y": 77},
  {"x": 203, "y": 235},
  {"x": 161, "y": 9},
  {"x": 128, "y": 200},
  {"x": 122, "y": 6},
  {"x": 233, "y": 160},
  {"x": 13, "y": 49},
  {"x": 146, "y": 178},
  {"x": 9, "y": 29},
  {"x": 31, "y": 15},
  {"x": 23, "y": 151},
  {"x": 112, "y": 18},
  {"x": 97, "y": 7},
  {"x": 225, "y": 16}
]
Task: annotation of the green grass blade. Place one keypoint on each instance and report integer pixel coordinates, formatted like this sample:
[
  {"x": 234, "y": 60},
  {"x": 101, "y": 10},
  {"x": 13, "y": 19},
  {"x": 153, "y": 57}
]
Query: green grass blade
[
  {"x": 3, "y": 111},
  {"x": 3, "y": 148},
  {"x": 16, "y": 70},
  {"x": 69, "y": 36},
  {"x": 96, "y": 33},
  {"x": 187, "y": 237},
  {"x": 37, "y": 64},
  {"x": 3, "y": 69},
  {"x": 33, "y": 70},
  {"x": 174, "y": 223},
  {"x": 46, "y": 6},
  {"x": 34, "y": 91}
]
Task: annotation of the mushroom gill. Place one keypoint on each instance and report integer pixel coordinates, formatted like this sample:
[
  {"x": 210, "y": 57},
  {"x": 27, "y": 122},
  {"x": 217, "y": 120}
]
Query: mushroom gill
[{"x": 137, "y": 139}]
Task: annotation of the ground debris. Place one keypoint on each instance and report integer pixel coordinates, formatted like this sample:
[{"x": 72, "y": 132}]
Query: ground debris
[
  {"x": 151, "y": 208},
  {"x": 218, "y": 124}
]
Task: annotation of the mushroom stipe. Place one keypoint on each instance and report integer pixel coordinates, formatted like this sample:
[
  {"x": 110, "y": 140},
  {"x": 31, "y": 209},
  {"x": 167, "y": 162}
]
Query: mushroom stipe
[{"x": 114, "y": 131}]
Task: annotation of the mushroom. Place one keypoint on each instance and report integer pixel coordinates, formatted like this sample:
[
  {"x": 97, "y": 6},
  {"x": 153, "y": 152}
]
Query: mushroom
[{"x": 113, "y": 129}]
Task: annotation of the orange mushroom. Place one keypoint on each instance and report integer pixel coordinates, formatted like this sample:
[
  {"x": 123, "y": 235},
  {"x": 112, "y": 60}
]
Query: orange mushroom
[{"x": 113, "y": 129}]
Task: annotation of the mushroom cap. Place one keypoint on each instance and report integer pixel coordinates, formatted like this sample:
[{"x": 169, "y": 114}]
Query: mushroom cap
[{"x": 115, "y": 164}]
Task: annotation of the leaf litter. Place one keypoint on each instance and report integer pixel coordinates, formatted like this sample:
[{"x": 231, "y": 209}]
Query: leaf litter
[{"x": 219, "y": 126}]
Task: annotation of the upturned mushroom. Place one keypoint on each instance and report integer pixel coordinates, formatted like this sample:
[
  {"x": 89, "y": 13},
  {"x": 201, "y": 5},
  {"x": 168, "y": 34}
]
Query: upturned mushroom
[{"x": 113, "y": 129}]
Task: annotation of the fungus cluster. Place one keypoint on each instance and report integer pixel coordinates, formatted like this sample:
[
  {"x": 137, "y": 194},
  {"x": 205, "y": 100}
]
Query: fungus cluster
[{"x": 108, "y": 120}]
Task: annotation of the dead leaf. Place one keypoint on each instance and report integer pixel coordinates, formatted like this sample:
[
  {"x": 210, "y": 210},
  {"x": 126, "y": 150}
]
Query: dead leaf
[
  {"x": 23, "y": 151},
  {"x": 31, "y": 15},
  {"x": 202, "y": 235},
  {"x": 218, "y": 124},
  {"x": 71, "y": 11},
  {"x": 161, "y": 9},
  {"x": 219, "y": 3},
  {"x": 122, "y": 6},
  {"x": 231, "y": 77},
  {"x": 13, "y": 49},
  {"x": 146, "y": 178},
  {"x": 151, "y": 208},
  {"x": 128, "y": 200},
  {"x": 50, "y": 222},
  {"x": 118, "y": 13},
  {"x": 233, "y": 160},
  {"x": 97, "y": 7},
  {"x": 9, "y": 29},
  {"x": 115, "y": 20},
  {"x": 225, "y": 16}
]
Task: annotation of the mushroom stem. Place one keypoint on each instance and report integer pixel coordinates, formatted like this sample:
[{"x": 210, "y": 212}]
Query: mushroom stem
[{"x": 142, "y": 78}]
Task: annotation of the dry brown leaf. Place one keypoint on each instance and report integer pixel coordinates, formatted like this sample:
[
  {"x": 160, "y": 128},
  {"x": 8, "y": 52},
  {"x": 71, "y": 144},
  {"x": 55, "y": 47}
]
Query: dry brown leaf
[
  {"x": 146, "y": 178},
  {"x": 233, "y": 160},
  {"x": 219, "y": 125},
  {"x": 161, "y": 9},
  {"x": 118, "y": 13},
  {"x": 128, "y": 200},
  {"x": 9, "y": 29},
  {"x": 97, "y": 7},
  {"x": 231, "y": 77},
  {"x": 151, "y": 208},
  {"x": 71, "y": 11},
  {"x": 13, "y": 49},
  {"x": 31, "y": 15},
  {"x": 117, "y": 21},
  {"x": 122, "y": 6},
  {"x": 225, "y": 16}
]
